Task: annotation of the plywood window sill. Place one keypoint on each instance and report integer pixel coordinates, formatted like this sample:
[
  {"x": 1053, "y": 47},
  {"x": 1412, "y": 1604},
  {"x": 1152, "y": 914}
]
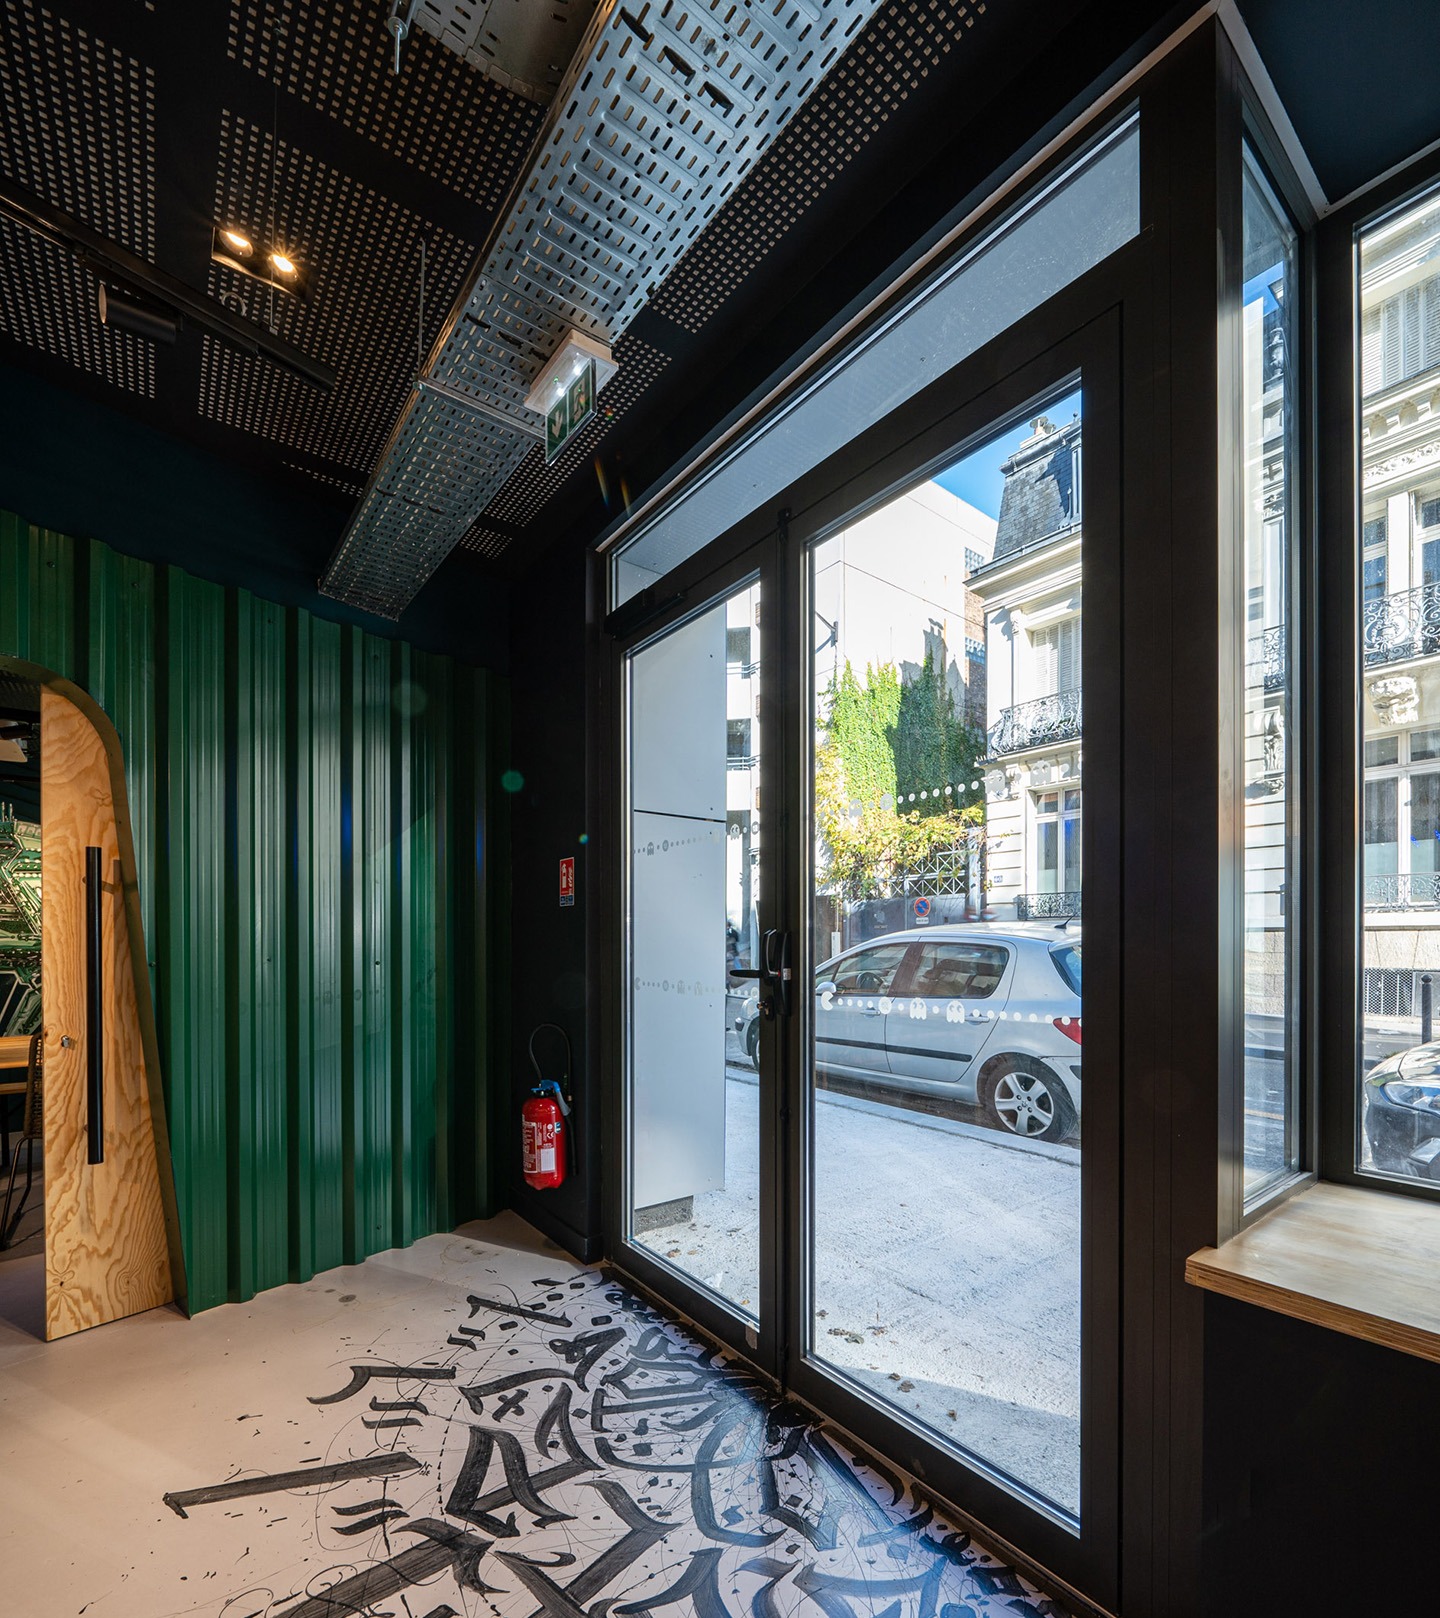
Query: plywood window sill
[{"x": 1362, "y": 1262}]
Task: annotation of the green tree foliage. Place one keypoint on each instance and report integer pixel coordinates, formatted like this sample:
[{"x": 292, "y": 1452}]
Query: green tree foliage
[
  {"x": 861, "y": 718},
  {"x": 880, "y": 738},
  {"x": 933, "y": 746}
]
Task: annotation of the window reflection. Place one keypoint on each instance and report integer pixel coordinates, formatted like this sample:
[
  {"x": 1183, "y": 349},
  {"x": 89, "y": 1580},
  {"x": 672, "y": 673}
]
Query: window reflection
[
  {"x": 1268, "y": 389},
  {"x": 1399, "y": 559}
]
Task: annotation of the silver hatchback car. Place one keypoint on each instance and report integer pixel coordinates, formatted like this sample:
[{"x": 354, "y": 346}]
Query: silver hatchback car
[{"x": 979, "y": 1013}]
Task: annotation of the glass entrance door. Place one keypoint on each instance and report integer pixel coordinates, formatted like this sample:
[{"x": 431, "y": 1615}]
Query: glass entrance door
[
  {"x": 696, "y": 912},
  {"x": 954, "y": 1247},
  {"x": 945, "y": 1115},
  {"x": 862, "y": 752}
]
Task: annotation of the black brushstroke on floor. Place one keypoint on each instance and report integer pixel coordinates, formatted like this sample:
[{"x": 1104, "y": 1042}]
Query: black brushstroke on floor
[{"x": 621, "y": 1468}]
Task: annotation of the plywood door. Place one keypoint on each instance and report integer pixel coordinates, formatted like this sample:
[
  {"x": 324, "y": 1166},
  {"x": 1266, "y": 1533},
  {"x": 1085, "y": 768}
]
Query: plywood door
[{"x": 106, "y": 1250}]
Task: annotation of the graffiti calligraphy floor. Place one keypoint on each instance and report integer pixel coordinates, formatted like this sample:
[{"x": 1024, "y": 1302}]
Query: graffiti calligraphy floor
[{"x": 473, "y": 1426}]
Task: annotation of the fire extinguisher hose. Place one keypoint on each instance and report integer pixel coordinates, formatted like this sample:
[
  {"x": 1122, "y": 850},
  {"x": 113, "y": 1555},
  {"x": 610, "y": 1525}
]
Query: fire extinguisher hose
[{"x": 562, "y": 1089}]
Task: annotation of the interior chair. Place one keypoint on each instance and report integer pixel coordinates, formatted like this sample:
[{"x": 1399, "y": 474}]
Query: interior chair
[{"x": 30, "y": 1133}]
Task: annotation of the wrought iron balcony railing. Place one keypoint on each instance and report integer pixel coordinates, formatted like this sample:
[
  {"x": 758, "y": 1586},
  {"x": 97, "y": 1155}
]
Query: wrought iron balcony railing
[
  {"x": 1401, "y": 626},
  {"x": 1038, "y": 906},
  {"x": 1267, "y": 654},
  {"x": 1417, "y": 890},
  {"x": 1393, "y": 629},
  {"x": 1035, "y": 724}
]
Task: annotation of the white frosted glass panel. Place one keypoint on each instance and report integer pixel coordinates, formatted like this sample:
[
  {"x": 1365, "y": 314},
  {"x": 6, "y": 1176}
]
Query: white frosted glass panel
[
  {"x": 677, "y": 783},
  {"x": 679, "y": 1008},
  {"x": 1080, "y": 218}
]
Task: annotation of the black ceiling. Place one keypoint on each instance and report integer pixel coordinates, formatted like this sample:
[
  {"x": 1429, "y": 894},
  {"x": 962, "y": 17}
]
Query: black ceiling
[{"x": 152, "y": 120}]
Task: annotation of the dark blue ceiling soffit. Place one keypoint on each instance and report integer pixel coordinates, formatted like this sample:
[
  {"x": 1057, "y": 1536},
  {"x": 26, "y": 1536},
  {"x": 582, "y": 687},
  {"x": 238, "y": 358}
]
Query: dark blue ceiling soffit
[{"x": 1359, "y": 82}]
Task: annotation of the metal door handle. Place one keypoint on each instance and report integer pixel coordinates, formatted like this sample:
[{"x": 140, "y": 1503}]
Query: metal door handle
[
  {"x": 774, "y": 969},
  {"x": 94, "y": 1009},
  {"x": 775, "y": 956}
]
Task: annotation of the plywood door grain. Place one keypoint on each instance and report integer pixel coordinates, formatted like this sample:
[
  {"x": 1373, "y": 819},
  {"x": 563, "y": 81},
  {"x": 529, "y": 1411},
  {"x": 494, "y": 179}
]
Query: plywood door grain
[{"x": 106, "y": 1249}]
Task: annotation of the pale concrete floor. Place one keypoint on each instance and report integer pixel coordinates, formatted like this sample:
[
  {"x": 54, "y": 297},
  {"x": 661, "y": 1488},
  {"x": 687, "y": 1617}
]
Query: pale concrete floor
[
  {"x": 672, "y": 1452},
  {"x": 947, "y": 1272}
]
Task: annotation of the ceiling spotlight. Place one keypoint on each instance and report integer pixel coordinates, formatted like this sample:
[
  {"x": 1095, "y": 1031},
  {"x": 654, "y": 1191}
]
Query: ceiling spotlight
[
  {"x": 258, "y": 259},
  {"x": 144, "y": 320}
]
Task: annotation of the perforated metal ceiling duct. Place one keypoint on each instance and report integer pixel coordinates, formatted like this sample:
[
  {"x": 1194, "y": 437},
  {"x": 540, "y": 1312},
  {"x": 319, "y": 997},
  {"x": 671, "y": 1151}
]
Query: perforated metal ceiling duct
[
  {"x": 665, "y": 109},
  {"x": 526, "y": 45}
]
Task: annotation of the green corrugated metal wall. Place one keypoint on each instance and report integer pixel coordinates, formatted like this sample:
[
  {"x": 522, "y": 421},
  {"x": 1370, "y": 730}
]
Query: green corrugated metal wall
[{"x": 310, "y": 806}]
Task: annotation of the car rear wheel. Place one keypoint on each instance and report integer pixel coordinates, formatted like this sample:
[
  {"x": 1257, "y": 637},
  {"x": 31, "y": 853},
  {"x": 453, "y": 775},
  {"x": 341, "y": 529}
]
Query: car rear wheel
[
  {"x": 752, "y": 1044},
  {"x": 1026, "y": 1099}
]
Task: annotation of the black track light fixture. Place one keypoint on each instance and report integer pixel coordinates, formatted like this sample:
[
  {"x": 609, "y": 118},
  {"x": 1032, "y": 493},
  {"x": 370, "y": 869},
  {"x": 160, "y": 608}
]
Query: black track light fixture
[
  {"x": 144, "y": 319},
  {"x": 175, "y": 299}
]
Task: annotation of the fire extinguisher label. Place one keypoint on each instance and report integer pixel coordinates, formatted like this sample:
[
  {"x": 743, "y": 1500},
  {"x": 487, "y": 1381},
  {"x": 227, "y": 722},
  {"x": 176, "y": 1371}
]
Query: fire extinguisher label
[{"x": 539, "y": 1148}]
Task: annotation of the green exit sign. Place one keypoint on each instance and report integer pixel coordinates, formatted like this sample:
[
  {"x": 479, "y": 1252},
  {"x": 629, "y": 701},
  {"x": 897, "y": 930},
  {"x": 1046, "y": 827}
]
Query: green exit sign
[{"x": 570, "y": 412}]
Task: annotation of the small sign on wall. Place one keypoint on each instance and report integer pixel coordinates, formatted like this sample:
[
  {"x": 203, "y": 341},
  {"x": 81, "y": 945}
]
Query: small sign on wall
[{"x": 567, "y": 881}]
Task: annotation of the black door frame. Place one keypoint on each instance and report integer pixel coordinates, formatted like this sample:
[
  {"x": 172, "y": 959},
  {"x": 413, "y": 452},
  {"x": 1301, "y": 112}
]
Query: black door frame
[
  {"x": 1076, "y": 332},
  {"x": 692, "y": 589},
  {"x": 1018, "y": 372}
]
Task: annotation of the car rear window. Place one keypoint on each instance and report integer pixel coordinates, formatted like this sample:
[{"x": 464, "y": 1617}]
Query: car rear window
[
  {"x": 964, "y": 971},
  {"x": 1067, "y": 963}
]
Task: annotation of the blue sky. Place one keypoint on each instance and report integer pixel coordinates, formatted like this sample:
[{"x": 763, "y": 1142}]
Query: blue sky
[{"x": 977, "y": 479}]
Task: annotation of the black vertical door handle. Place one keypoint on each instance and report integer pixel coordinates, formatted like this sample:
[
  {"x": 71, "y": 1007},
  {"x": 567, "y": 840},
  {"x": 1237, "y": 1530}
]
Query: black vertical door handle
[{"x": 94, "y": 1009}]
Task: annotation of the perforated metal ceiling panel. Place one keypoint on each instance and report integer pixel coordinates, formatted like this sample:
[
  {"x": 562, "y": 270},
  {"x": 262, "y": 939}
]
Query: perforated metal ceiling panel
[
  {"x": 663, "y": 114},
  {"x": 48, "y": 303},
  {"x": 361, "y": 250},
  {"x": 78, "y": 122},
  {"x": 437, "y": 115},
  {"x": 149, "y": 120},
  {"x": 521, "y": 44},
  {"x": 900, "y": 49}
]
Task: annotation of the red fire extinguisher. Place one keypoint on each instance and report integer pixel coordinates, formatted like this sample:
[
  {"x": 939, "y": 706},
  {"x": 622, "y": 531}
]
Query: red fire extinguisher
[{"x": 542, "y": 1125}]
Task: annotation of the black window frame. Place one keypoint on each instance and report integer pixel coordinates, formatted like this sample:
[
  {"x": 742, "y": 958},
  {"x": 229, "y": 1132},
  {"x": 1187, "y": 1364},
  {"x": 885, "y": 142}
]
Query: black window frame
[
  {"x": 1252, "y": 129},
  {"x": 1338, "y": 675}
]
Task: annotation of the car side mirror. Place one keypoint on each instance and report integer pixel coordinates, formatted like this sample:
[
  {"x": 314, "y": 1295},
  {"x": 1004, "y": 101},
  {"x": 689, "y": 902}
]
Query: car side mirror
[{"x": 827, "y": 987}]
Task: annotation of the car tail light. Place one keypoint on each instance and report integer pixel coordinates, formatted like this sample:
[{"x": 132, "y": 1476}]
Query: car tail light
[{"x": 1069, "y": 1026}]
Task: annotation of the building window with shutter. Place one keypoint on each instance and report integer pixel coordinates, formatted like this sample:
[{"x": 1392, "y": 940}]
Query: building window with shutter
[{"x": 1055, "y": 652}]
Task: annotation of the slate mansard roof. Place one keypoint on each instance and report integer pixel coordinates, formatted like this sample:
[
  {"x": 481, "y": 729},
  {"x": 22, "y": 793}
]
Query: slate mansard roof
[{"x": 1042, "y": 488}]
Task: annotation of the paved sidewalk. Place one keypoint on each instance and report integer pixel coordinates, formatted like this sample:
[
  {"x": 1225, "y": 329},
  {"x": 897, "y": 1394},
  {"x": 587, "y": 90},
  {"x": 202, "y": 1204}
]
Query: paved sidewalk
[{"x": 947, "y": 1272}]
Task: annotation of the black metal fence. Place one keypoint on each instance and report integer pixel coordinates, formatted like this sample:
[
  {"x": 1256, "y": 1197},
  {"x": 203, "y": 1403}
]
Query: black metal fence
[
  {"x": 1041, "y": 906},
  {"x": 1401, "y": 626}
]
